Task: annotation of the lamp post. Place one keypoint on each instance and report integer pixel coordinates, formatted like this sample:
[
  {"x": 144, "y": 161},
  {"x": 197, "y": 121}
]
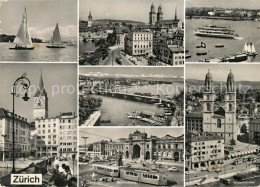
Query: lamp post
[
  {"x": 25, "y": 84},
  {"x": 85, "y": 138}
]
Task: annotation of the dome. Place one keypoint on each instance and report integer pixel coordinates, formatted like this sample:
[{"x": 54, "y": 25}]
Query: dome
[
  {"x": 230, "y": 82},
  {"x": 208, "y": 81}
]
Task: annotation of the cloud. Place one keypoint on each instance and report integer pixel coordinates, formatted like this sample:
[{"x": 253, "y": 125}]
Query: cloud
[{"x": 46, "y": 33}]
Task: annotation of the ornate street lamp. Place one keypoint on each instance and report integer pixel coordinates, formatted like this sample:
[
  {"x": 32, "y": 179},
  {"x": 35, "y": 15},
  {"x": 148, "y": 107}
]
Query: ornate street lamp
[{"x": 25, "y": 84}]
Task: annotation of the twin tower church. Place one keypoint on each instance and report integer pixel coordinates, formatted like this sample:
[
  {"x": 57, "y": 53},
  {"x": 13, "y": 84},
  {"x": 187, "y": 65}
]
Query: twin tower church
[{"x": 220, "y": 118}]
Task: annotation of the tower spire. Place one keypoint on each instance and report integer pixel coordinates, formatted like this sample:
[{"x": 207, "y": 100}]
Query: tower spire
[
  {"x": 175, "y": 13},
  {"x": 41, "y": 90}
]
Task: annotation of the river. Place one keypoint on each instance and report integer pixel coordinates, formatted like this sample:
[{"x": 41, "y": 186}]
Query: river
[
  {"x": 40, "y": 54},
  {"x": 118, "y": 114},
  {"x": 86, "y": 46},
  {"x": 247, "y": 30}
]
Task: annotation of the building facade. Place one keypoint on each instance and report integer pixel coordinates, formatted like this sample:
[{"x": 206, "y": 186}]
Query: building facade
[
  {"x": 139, "y": 43},
  {"x": 222, "y": 121},
  {"x": 206, "y": 151},
  {"x": 194, "y": 121},
  {"x": 22, "y": 131},
  {"x": 55, "y": 136},
  {"x": 170, "y": 54},
  {"x": 254, "y": 131},
  {"x": 139, "y": 146}
]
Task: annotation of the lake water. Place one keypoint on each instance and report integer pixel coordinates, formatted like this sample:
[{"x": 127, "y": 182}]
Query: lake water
[
  {"x": 118, "y": 114},
  {"x": 247, "y": 30},
  {"x": 40, "y": 54}
]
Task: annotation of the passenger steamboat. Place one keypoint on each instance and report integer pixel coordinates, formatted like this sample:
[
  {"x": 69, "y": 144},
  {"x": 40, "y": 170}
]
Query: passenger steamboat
[{"x": 216, "y": 32}]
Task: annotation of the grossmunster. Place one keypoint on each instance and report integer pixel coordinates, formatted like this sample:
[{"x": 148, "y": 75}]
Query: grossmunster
[{"x": 139, "y": 146}]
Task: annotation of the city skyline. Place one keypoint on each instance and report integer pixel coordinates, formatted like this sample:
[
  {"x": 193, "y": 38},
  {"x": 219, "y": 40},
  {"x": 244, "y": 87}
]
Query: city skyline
[
  {"x": 62, "y": 11},
  {"x": 67, "y": 79},
  {"x": 198, "y": 71},
  {"x": 116, "y": 133},
  {"x": 178, "y": 71},
  {"x": 249, "y": 4},
  {"x": 140, "y": 13}
]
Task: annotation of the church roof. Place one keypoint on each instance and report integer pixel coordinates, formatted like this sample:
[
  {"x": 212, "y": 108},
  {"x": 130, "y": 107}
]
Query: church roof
[
  {"x": 230, "y": 82},
  {"x": 205, "y": 138},
  {"x": 208, "y": 82},
  {"x": 41, "y": 90}
]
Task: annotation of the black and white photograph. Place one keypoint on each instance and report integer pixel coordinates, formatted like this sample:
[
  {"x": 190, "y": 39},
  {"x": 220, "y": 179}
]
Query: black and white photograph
[
  {"x": 131, "y": 96},
  {"x": 138, "y": 157},
  {"x": 222, "y": 125},
  {"x": 131, "y": 33},
  {"x": 38, "y": 131},
  {"x": 38, "y": 31},
  {"x": 222, "y": 31}
]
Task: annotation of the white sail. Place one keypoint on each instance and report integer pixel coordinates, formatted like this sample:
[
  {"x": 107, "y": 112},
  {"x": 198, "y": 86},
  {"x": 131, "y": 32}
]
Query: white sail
[
  {"x": 253, "y": 48},
  {"x": 56, "y": 39},
  {"x": 245, "y": 48},
  {"x": 23, "y": 36}
]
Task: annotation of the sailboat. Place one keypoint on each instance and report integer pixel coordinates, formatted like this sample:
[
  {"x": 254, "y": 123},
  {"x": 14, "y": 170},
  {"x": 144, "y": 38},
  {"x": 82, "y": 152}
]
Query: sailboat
[
  {"x": 23, "y": 39},
  {"x": 249, "y": 49},
  {"x": 56, "y": 39},
  {"x": 72, "y": 43}
]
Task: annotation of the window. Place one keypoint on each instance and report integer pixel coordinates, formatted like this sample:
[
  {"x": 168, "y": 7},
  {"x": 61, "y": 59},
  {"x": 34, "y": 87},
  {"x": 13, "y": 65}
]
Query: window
[
  {"x": 230, "y": 97},
  {"x": 208, "y": 107},
  {"x": 230, "y": 107},
  {"x": 218, "y": 123}
]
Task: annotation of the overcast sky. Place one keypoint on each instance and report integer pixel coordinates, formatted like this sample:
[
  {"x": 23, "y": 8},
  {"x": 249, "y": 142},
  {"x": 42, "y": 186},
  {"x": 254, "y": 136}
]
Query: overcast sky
[
  {"x": 57, "y": 75},
  {"x": 246, "y": 72},
  {"x": 249, "y": 4},
  {"x": 136, "y": 10},
  {"x": 42, "y": 17},
  {"x": 95, "y": 134},
  {"x": 176, "y": 71}
]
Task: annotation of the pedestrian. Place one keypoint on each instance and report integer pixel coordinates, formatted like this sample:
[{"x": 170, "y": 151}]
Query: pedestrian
[
  {"x": 68, "y": 174},
  {"x": 94, "y": 177}
]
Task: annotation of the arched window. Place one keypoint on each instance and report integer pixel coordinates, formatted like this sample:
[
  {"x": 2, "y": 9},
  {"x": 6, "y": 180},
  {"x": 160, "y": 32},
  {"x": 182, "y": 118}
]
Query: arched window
[
  {"x": 230, "y": 107},
  {"x": 218, "y": 123},
  {"x": 208, "y": 107}
]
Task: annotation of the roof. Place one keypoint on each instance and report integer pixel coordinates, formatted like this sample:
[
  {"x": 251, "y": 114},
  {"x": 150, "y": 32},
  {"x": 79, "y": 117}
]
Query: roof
[
  {"x": 41, "y": 90},
  {"x": 6, "y": 114},
  {"x": 194, "y": 115},
  {"x": 206, "y": 138}
]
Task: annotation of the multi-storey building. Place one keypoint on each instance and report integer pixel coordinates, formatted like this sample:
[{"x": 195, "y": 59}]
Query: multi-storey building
[
  {"x": 206, "y": 151},
  {"x": 22, "y": 135},
  {"x": 193, "y": 122},
  {"x": 139, "y": 43},
  {"x": 56, "y": 136},
  {"x": 221, "y": 122},
  {"x": 139, "y": 146},
  {"x": 170, "y": 54},
  {"x": 254, "y": 131}
]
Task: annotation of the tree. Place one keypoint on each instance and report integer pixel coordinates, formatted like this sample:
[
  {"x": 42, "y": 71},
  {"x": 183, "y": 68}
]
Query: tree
[
  {"x": 111, "y": 39},
  {"x": 233, "y": 142},
  {"x": 90, "y": 147},
  {"x": 87, "y": 106}
]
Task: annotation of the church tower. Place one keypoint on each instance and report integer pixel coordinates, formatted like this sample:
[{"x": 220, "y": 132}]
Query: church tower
[
  {"x": 230, "y": 108},
  {"x": 90, "y": 20},
  {"x": 159, "y": 14},
  {"x": 175, "y": 17},
  {"x": 40, "y": 102},
  {"x": 152, "y": 16},
  {"x": 208, "y": 103}
]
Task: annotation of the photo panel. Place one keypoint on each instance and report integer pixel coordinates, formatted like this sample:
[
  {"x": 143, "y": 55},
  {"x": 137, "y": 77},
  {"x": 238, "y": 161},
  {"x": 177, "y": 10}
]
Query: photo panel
[
  {"x": 131, "y": 33},
  {"x": 222, "y": 124},
  {"x": 131, "y": 96},
  {"x": 131, "y": 156}
]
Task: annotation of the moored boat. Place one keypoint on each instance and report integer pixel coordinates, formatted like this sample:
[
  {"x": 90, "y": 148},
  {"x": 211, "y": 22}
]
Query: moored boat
[
  {"x": 216, "y": 32},
  {"x": 249, "y": 49},
  {"x": 56, "y": 39}
]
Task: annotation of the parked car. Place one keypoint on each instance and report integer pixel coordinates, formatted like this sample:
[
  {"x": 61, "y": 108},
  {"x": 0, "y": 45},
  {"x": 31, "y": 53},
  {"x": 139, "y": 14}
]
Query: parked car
[{"x": 173, "y": 169}]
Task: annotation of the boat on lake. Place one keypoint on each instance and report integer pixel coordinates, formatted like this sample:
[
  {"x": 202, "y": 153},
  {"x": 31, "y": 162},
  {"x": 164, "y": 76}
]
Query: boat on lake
[
  {"x": 219, "y": 45},
  {"x": 23, "y": 39},
  {"x": 215, "y": 32},
  {"x": 56, "y": 39}
]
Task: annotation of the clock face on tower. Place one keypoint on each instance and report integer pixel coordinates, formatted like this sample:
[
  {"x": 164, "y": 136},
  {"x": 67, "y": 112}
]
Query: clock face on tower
[{"x": 39, "y": 102}]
